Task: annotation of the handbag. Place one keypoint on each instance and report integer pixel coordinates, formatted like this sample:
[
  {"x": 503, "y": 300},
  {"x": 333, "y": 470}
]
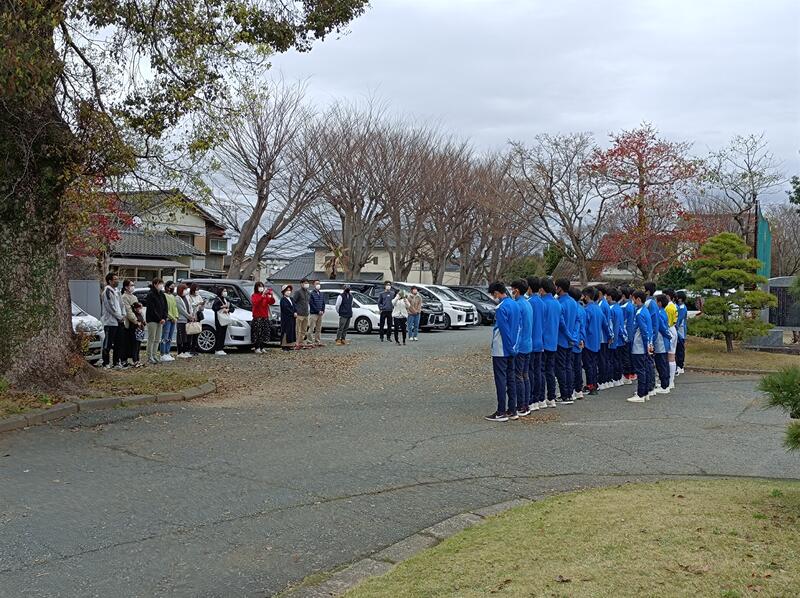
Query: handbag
[
  {"x": 223, "y": 318},
  {"x": 194, "y": 328}
]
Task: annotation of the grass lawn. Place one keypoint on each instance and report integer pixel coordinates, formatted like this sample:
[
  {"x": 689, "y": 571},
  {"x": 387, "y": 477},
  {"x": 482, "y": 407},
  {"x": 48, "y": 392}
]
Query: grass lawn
[
  {"x": 704, "y": 352},
  {"x": 724, "y": 538},
  {"x": 144, "y": 381}
]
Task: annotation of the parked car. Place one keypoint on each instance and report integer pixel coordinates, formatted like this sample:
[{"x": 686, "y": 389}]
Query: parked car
[
  {"x": 238, "y": 334},
  {"x": 366, "y": 315},
  {"x": 91, "y": 328},
  {"x": 484, "y": 304},
  {"x": 239, "y": 293},
  {"x": 432, "y": 316},
  {"x": 457, "y": 313}
]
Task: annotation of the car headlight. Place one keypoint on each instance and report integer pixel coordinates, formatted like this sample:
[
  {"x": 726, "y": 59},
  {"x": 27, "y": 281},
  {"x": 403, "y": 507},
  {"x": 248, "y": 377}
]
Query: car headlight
[
  {"x": 237, "y": 324},
  {"x": 489, "y": 307},
  {"x": 459, "y": 308}
]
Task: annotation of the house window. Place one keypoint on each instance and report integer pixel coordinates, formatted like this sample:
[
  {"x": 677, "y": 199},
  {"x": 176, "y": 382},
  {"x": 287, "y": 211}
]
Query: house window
[
  {"x": 185, "y": 237},
  {"x": 181, "y": 274},
  {"x": 374, "y": 261},
  {"x": 218, "y": 245}
]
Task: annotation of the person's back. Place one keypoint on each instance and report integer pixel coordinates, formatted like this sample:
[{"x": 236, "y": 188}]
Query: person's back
[
  {"x": 618, "y": 328},
  {"x": 565, "y": 330},
  {"x": 506, "y": 328},
  {"x": 552, "y": 317},
  {"x": 537, "y": 323},
  {"x": 594, "y": 327},
  {"x": 525, "y": 342},
  {"x": 629, "y": 312},
  {"x": 605, "y": 309},
  {"x": 580, "y": 326}
]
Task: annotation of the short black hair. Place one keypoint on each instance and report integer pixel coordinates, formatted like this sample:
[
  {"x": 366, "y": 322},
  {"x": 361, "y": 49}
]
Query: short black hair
[
  {"x": 521, "y": 285},
  {"x": 589, "y": 292},
  {"x": 136, "y": 305},
  {"x": 640, "y": 295},
  {"x": 563, "y": 284},
  {"x": 650, "y": 287},
  {"x": 669, "y": 293},
  {"x": 385, "y": 282},
  {"x": 601, "y": 288},
  {"x": 169, "y": 284},
  {"x": 413, "y": 287},
  {"x": 110, "y": 276},
  {"x": 304, "y": 280},
  {"x": 497, "y": 287},
  {"x": 681, "y": 295},
  {"x": 626, "y": 291},
  {"x": 662, "y": 299},
  {"x": 126, "y": 283},
  {"x": 548, "y": 286},
  {"x": 533, "y": 283},
  {"x": 157, "y": 281},
  {"x": 575, "y": 293},
  {"x": 615, "y": 294}
]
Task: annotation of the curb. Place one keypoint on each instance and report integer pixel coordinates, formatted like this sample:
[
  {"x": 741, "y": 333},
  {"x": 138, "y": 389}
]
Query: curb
[
  {"x": 712, "y": 370},
  {"x": 384, "y": 560},
  {"x": 73, "y": 406}
]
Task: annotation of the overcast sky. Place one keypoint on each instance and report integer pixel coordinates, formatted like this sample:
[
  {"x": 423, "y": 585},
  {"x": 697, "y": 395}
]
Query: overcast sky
[{"x": 493, "y": 70}]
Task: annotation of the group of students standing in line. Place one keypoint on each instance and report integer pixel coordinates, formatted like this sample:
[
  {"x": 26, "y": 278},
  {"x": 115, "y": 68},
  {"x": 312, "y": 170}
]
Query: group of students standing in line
[
  {"x": 171, "y": 309},
  {"x": 549, "y": 333}
]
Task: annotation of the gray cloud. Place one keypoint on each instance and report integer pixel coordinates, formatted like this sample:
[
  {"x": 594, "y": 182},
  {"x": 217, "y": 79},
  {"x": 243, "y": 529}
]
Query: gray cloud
[{"x": 498, "y": 69}]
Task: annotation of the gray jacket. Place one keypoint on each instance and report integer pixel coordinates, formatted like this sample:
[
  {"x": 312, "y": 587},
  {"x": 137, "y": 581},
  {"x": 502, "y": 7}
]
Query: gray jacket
[
  {"x": 112, "y": 312},
  {"x": 185, "y": 309},
  {"x": 300, "y": 299}
]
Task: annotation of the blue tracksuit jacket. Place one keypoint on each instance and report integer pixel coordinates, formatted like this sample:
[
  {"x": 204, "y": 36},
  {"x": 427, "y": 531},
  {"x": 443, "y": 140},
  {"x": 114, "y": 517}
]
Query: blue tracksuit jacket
[
  {"x": 566, "y": 325},
  {"x": 630, "y": 317},
  {"x": 652, "y": 308},
  {"x": 506, "y": 329},
  {"x": 618, "y": 330},
  {"x": 537, "y": 307},
  {"x": 661, "y": 341},
  {"x": 594, "y": 327},
  {"x": 681, "y": 324},
  {"x": 552, "y": 317},
  {"x": 525, "y": 341},
  {"x": 604, "y": 307},
  {"x": 642, "y": 331},
  {"x": 580, "y": 329}
]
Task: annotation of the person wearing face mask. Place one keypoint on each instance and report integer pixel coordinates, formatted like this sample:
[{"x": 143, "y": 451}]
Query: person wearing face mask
[
  {"x": 198, "y": 307},
  {"x": 400, "y": 316},
  {"x": 414, "y": 314},
  {"x": 156, "y": 316},
  {"x": 113, "y": 318},
  {"x": 300, "y": 299},
  {"x": 262, "y": 298},
  {"x": 288, "y": 315},
  {"x": 344, "y": 307},
  {"x": 131, "y": 323},
  {"x": 185, "y": 315},
  {"x": 222, "y": 310},
  {"x": 385, "y": 307},
  {"x": 316, "y": 310},
  {"x": 171, "y": 322}
]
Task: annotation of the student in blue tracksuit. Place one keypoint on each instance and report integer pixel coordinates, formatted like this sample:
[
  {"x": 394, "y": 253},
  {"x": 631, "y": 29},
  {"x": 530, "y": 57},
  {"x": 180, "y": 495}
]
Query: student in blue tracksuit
[
  {"x": 566, "y": 329},
  {"x": 641, "y": 346},
  {"x": 595, "y": 323},
  {"x": 552, "y": 318},
  {"x": 629, "y": 312},
  {"x": 661, "y": 345},
  {"x": 504, "y": 338},
  {"x": 603, "y": 366},
  {"x": 618, "y": 336},
  {"x": 652, "y": 308},
  {"x": 577, "y": 348},
  {"x": 536, "y": 369},
  {"x": 682, "y": 327},
  {"x": 522, "y": 359}
]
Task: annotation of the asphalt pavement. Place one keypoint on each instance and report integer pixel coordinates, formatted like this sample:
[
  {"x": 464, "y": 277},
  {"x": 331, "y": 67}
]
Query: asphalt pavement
[{"x": 243, "y": 495}]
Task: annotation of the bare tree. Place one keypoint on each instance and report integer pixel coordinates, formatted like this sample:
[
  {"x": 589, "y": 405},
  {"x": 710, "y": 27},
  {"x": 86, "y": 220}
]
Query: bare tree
[
  {"x": 737, "y": 175},
  {"x": 784, "y": 223},
  {"x": 567, "y": 199},
  {"x": 268, "y": 164}
]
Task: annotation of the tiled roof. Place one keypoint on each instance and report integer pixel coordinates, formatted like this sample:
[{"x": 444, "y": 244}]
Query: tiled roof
[
  {"x": 336, "y": 236},
  {"x": 147, "y": 200},
  {"x": 300, "y": 267},
  {"x": 136, "y": 242}
]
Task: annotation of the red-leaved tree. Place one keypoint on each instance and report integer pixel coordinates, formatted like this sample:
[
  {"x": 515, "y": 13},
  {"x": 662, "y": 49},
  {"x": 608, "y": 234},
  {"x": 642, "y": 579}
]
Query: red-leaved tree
[{"x": 651, "y": 230}]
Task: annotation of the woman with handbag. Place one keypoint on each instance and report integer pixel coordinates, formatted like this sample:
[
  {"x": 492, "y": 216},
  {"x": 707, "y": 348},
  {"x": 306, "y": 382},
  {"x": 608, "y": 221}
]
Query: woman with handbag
[
  {"x": 198, "y": 307},
  {"x": 185, "y": 317},
  {"x": 222, "y": 310},
  {"x": 288, "y": 316},
  {"x": 259, "y": 327}
]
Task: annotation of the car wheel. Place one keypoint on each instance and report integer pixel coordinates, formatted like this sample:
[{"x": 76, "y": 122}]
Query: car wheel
[
  {"x": 206, "y": 340},
  {"x": 479, "y": 321},
  {"x": 447, "y": 321},
  {"x": 363, "y": 325}
]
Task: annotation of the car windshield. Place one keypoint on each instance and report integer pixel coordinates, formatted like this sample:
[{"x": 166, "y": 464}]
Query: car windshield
[
  {"x": 448, "y": 293},
  {"x": 363, "y": 299},
  {"x": 77, "y": 311},
  {"x": 249, "y": 288}
]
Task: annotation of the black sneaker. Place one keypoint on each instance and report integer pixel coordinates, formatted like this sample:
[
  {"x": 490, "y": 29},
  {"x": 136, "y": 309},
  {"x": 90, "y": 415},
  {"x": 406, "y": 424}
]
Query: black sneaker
[
  {"x": 567, "y": 401},
  {"x": 497, "y": 417},
  {"x": 512, "y": 415},
  {"x": 524, "y": 412}
]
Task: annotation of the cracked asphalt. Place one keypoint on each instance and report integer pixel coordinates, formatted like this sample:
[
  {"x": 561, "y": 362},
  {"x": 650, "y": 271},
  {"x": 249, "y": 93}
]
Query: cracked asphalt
[{"x": 266, "y": 483}]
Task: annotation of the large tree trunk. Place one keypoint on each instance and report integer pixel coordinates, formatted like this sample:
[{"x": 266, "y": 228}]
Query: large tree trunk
[{"x": 37, "y": 346}]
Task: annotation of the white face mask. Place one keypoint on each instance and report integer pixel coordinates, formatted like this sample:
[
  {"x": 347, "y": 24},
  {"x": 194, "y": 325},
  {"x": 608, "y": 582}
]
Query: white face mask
[
  {"x": 287, "y": 293},
  {"x": 185, "y": 292},
  {"x": 414, "y": 292},
  {"x": 160, "y": 287},
  {"x": 224, "y": 293},
  {"x": 305, "y": 285},
  {"x": 387, "y": 288},
  {"x": 318, "y": 286}
]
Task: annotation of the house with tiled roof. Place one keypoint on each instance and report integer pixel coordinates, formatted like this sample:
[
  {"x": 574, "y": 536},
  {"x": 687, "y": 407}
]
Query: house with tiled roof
[{"x": 143, "y": 255}]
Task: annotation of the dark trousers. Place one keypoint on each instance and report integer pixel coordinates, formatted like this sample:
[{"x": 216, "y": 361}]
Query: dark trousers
[
  {"x": 536, "y": 377},
  {"x": 577, "y": 371},
  {"x": 564, "y": 371},
  {"x": 505, "y": 383},
  {"x": 400, "y": 326},
  {"x": 641, "y": 366},
  {"x": 522, "y": 363},
  {"x": 590, "y": 360},
  {"x": 627, "y": 364},
  {"x": 662, "y": 367},
  {"x": 652, "y": 372},
  {"x": 193, "y": 347},
  {"x": 132, "y": 346},
  {"x": 615, "y": 358},
  {"x": 680, "y": 352},
  {"x": 549, "y": 374},
  {"x": 603, "y": 369},
  {"x": 182, "y": 339},
  {"x": 386, "y": 318},
  {"x": 114, "y": 340},
  {"x": 219, "y": 339}
]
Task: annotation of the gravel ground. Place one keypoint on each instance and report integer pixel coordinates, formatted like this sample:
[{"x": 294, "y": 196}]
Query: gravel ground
[{"x": 305, "y": 461}]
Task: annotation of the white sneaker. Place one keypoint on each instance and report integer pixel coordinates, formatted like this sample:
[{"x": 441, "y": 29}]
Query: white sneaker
[
  {"x": 534, "y": 407},
  {"x": 550, "y": 403},
  {"x": 578, "y": 395},
  {"x": 636, "y": 399},
  {"x": 184, "y": 355},
  {"x": 662, "y": 391},
  {"x": 166, "y": 358},
  {"x": 679, "y": 370},
  {"x": 627, "y": 381},
  {"x": 618, "y": 383},
  {"x": 671, "y": 385},
  {"x": 220, "y": 353}
]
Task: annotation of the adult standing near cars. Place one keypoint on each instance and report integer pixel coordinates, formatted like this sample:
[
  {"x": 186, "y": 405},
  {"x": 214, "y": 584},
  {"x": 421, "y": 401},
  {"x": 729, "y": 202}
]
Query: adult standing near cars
[
  {"x": 222, "y": 319},
  {"x": 414, "y": 314},
  {"x": 385, "y": 307},
  {"x": 300, "y": 299},
  {"x": 185, "y": 315},
  {"x": 155, "y": 316},
  {"x": 344, "y": 307},
  {"x": 170, "y": 323},
  {"x": 113, "y": 317},
  {"x": 198, "y": 306},
  {"x": 131, "y": 323},
  {"x": 288, "y": 316},
  {"x": 400, "y": 316},
  {"x": 316, "y": 311},
  {"x": 261, "y": 299}
]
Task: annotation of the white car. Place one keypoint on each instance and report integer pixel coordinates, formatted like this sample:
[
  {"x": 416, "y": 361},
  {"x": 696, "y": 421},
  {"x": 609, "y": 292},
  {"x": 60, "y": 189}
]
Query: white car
[
  {"x": 92, "y": 329},
  {"x": 366, "y": 316},
  {"x": 238, "y": 334},
  {"x": 457, "y": 312}
]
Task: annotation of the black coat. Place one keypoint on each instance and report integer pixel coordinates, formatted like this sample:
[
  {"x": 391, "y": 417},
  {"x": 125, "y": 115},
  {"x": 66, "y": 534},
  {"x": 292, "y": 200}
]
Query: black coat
[
  {"x": 156, "y": 304},
  {"x": 288, "y": 310}
]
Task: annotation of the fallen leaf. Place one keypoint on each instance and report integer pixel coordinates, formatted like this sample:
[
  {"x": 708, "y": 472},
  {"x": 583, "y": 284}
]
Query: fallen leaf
[{"x": 562, "y": 579}]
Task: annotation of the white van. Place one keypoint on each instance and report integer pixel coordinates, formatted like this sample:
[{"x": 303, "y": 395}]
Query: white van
[
  {"x": 457, "y": 312},
  {"x": 365, "y": 311}
]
